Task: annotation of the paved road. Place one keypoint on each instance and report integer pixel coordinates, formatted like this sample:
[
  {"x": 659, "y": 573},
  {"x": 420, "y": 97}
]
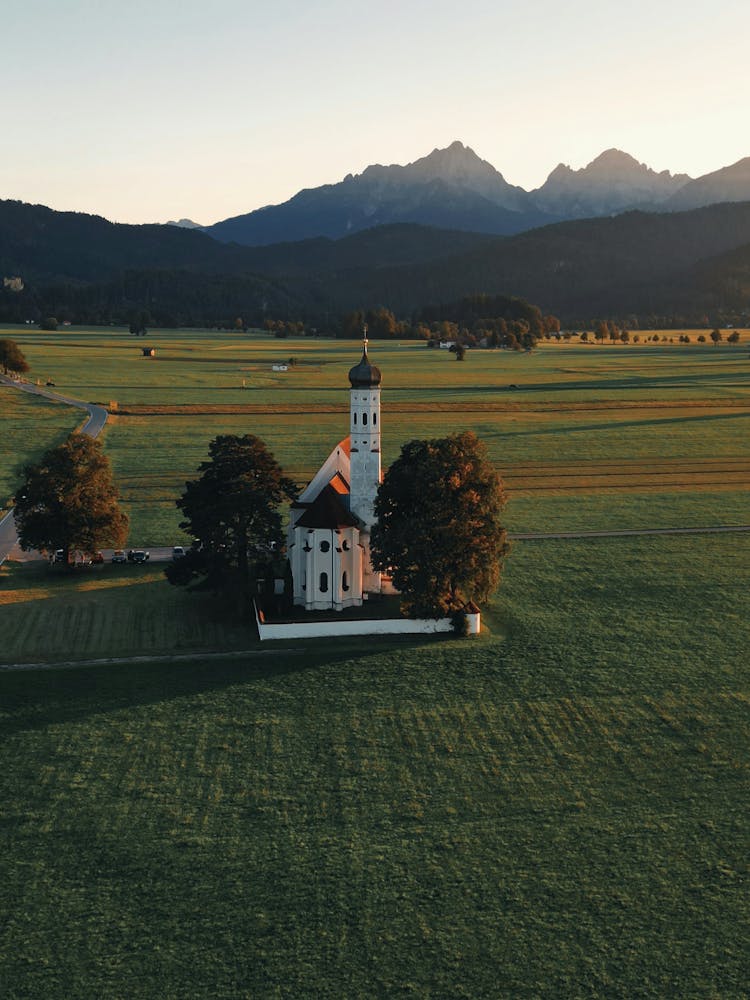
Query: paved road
[{"x": 97, "y": 417}]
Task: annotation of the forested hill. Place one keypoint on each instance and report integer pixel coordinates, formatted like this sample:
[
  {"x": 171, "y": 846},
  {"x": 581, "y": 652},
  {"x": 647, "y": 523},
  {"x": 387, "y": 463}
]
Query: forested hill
[
  {"x": 44, "y": 246},
  {"x": 634, "y": 263},
  {"x": 87, "y": 269}
]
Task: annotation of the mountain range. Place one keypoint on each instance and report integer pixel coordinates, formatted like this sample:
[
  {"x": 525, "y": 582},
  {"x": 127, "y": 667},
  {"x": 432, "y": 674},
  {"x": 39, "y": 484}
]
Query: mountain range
[
  {"x": 453, "y": 188},
  {"x": 433, "y": 231},
  {"x": 664, "y": 268}
]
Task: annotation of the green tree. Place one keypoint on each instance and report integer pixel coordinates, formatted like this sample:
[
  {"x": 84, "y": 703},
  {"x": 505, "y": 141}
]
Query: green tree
[
  {"x": 139, "y": 320},
  {"x": 734, "y": 338},
  {"x": 11, "y": 357},
  {"x": 716, "y": 336},
  {"x": 69, "y": 500},
  {"x": 438, "y": 525},
  {"x": 381, "y": 323},
  {"x": 232, "y": 509},
  {"x": 601, "y": 330}
]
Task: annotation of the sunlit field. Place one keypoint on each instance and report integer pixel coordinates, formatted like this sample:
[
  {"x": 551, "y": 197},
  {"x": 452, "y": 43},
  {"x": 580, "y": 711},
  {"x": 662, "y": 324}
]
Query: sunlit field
[
  {"x": 29, "y": 425},
  {"x": 556, "y": 808},
  {"x": 584, "y": 436}
]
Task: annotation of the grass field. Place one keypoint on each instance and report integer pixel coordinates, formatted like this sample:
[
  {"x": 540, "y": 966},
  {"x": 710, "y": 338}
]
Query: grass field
[
  {"x": 29, "y": 425},
  {"x": 592, "y": 436},
  {"x": 555, "y": 809}
]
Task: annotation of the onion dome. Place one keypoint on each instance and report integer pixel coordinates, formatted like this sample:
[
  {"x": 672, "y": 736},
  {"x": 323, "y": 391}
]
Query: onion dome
[{"x": 364, "y": 375}]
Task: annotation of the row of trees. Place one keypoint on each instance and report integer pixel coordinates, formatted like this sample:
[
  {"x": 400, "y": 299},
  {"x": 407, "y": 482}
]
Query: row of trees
[
  {"x": 474, "y": 321},
  {"x": 438, "y": 509}
]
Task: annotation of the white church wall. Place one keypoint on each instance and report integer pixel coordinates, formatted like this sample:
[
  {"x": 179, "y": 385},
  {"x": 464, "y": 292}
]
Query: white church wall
[
  {"x": 323, "y": 556},
  {"x": 321, "y": 630}
]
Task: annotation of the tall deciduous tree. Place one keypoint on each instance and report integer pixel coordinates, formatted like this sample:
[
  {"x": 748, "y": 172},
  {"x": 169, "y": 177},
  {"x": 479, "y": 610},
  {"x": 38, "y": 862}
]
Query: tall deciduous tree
[
  {"x": 232, "y": 509},
  {"x": 438, "y": 524},
  {"x": 11, "y": 357},
  {"x": 69, "y": 500}
]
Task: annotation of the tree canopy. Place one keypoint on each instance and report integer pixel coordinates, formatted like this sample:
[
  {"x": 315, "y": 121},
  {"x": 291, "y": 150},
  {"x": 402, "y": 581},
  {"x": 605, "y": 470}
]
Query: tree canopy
[
  {"x": 438, "y": 525},
  {"x": 69, "y": 500},
  {"x": 11, "y": 357},
  {"x": 232, "y": 512}
]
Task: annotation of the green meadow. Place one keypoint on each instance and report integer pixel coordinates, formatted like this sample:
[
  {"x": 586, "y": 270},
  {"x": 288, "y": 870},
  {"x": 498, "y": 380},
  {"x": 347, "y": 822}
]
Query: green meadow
[
  {"x": 590, "y": 436},
  {"x": 29, "y": 425},
  {"x": 557, "y": 808}
]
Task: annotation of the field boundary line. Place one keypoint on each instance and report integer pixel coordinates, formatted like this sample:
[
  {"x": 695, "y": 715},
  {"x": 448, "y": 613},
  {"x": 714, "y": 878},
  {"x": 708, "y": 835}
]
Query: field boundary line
[
  {"x": 627, "y": 532},
  {"x": 118, "y": 661}
]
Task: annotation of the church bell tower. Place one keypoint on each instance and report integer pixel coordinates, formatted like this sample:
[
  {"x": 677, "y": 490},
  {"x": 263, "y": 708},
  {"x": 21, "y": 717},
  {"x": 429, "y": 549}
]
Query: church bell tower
[
  {"x": 364, "y": 434},
  {"x": 364, "y": 459}
]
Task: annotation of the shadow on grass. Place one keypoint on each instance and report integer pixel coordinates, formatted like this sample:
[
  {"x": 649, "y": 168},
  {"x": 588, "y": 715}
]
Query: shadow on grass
[
  {"x": 32, "y": 700},
  {"x": 704, "y": 380},
  {"x": 616, "y": 424}
]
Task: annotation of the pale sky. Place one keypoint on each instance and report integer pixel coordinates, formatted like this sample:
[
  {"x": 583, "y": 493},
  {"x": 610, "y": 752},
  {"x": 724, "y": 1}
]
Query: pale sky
[{"x": 148, "y": 110}]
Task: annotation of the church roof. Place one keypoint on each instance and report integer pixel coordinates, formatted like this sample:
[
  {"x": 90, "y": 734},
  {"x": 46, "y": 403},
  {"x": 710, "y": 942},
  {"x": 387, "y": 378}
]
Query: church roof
[
  {"x": 339, "y": 484},
  {"x": 364, "y": 375},
  {"x": 327, "y": 511}
]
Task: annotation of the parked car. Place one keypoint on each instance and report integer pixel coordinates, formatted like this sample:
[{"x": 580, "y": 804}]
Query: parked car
[
  {"x": 178, "y": 552},
  {"x": 139, "y": 556},
  {"x": 59, "y": 556},
  {"x": 118, "y": 556}
]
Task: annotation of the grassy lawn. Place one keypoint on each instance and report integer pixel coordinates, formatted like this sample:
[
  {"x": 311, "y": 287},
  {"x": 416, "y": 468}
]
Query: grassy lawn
[
  {"x": 592, "y": 437},
  {"x": 50, "y": 614},
  {"x": 557, "y": 808},
  {"x": 29, "y": 426}
]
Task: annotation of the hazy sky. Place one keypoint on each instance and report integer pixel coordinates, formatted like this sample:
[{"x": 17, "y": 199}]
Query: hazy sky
[{"x": 146, "y": 110}]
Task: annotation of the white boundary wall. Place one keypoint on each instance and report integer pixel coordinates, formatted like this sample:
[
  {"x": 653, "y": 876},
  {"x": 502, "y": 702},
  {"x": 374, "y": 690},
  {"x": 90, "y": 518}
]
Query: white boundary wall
[{"x": 363, "y": 626}]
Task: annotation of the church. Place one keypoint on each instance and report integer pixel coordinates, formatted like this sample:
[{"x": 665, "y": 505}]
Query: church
[{"x": 328, "y": 541}]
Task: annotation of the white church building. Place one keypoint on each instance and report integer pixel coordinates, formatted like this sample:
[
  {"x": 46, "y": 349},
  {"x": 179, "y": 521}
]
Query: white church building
[{"x": 328, "y": 542}]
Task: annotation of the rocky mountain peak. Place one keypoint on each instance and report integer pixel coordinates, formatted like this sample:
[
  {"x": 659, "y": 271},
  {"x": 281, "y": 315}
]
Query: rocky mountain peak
[{"x": 612, "y": 182}]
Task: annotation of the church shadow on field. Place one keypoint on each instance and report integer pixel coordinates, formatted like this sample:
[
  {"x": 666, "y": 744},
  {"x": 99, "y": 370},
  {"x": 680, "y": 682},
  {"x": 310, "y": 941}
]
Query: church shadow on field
[{"x": 35, "y": 699}]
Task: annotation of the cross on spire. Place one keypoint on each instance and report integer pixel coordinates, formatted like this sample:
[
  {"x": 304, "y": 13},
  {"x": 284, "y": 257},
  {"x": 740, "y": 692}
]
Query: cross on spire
[{"x": 364, "y": 337}]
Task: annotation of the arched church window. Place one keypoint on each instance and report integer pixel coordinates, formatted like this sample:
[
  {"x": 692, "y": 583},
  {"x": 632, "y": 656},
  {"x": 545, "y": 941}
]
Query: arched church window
[
  {"x": 324, "y": 583},
  {"x": 355, "y": 416},
  {"x": 364, "y": 418},
  {"x": 345, "y": 545},
  {"x": 374, "y": 418},
  {"x": 325, "y": 546},
  {"x": 345, "y": 581}
]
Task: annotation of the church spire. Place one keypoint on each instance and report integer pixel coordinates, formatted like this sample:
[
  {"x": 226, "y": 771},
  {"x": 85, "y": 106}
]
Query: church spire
[{"x": 364, "y": 375}]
